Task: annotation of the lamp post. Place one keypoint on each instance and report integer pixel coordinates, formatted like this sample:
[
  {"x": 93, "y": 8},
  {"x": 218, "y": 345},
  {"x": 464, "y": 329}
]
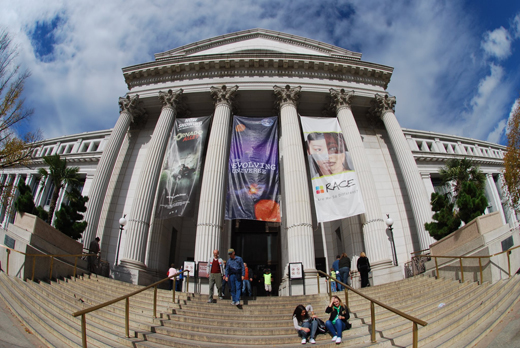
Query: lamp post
[
  {"x": 122, "y": 223},
  {"x": 389, "y": 223}
]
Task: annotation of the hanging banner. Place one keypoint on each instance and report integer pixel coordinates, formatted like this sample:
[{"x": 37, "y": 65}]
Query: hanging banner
[
  {"x": 179, "y": 181},
  {"x": 253, "y": 170},
  {"x": 334, "y": 182}
]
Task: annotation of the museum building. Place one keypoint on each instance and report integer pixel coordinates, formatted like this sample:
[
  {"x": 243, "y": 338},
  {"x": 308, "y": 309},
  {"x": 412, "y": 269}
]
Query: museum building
[{"x": 259, "y": 75}]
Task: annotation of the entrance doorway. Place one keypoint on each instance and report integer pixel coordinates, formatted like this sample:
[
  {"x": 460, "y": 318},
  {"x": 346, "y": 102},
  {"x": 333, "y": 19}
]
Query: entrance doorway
[{"x": 257, "y": 242}]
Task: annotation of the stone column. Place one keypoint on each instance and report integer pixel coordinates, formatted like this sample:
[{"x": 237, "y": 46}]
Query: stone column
[
  {"x": 131, "y": 111},
  {"x": 419, "y": 200},
  {"x": 377, "y": 246},
  {"x": 140, "y": 214},
  {"x": 300, "y": 241},
  {"x": 495, "y": 196},
  {"x": 211, "y": 206}
]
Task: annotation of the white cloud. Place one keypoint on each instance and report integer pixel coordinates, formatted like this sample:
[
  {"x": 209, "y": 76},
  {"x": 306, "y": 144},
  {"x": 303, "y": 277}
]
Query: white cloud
[
  {"x": 441, "y": 79},
  {"x": 515, "y": 105},
  {"x": 497, "y": 43},
  {"x": 516, "y": 26},
  {"x": 496, "y": 135}
]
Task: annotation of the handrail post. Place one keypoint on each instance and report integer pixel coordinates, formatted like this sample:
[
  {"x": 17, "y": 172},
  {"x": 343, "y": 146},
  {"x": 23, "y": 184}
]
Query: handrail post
[
  {"x": 75, "y": 266},
  {"x": 173, "y": 290},
  {"x": 188, "y": 283},
  {"x": 329, "y": 282},
  {"x": 318, "y": 277},
  {"x": 34, "y": 265},
  {"x": 346, "y": 296},
  {"x": 127, "y": 317},
  {"x": 480, "y": 267},
  {"x": 83, "y": 331},
  {"x": 437, "y": 268},
  {"x": 155, "y": 301},
  {"x": 50, "y": 271},
  {"x": 373, "y": 320},
  {"x": 461, "y": 270},
  {"x": 415, "y": 335},
  {"x": 8, "y": 253},
  {"x": 508, "y": 264},
  {"x": 413, "y": 265}
]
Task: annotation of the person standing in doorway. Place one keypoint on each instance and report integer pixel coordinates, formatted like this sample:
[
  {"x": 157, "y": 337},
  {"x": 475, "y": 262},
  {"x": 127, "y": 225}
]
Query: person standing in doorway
[
  {"x": 171, "y": 272},
  {"x": 344, "y": 268},
  {"x": 215, "y": 271},
  {"x": 93, "y": 249},
  {"x": 246, "y": 284},
  {"x": 335, "y": 265},
  {"x": 235, "y": 273},
  {"x": 178, "y": 283},
  {"x": 268, "y": 278},
  {"x": 363, "y": 267}
]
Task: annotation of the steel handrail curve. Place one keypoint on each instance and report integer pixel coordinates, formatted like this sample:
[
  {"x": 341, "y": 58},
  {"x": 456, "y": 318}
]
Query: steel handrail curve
[
  {"x": 120, "y": 298},
  {"x": 414, "y": 320},
  {"x": 126, "y": 297},
  {"x": 391, "y": 309},
  {"x": 51, "y": 256},
  {"x": 508, "y": 251}
]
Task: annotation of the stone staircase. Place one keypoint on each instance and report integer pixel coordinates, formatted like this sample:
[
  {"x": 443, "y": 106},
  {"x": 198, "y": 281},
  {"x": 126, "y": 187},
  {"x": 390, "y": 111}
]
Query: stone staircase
[{"x": 458, "y": 315}]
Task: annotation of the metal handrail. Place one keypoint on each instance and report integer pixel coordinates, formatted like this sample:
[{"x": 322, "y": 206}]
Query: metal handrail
[
  {"x": 372, "y": 309},
  {"x": 508, "y": 251},
  {"x": 52, "y": 256},
  {"x": 126, "y": 297}
]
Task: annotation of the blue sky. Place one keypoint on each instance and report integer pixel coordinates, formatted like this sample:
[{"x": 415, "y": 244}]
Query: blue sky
[{"x": 456, "y": 62}]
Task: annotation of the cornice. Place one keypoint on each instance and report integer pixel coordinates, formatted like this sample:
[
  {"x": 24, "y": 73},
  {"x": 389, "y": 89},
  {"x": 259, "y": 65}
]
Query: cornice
[
  {"x": 257, "y": 65},
  {"x": 258, "y": 33},
  {"x": 422, "y": 157}
]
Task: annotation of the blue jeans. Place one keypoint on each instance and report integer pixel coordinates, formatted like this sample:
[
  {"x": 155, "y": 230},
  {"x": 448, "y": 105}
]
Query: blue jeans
[
  {"x": 344, "y": 275},
  {"x": 313, "y": 325},
  {"x": 333, "y": 286},
  {"x": 235, "y": 286},
  {"x": 336, "y": 329},
  {"x": 246, "y": 285},
  {"x": 339, "y": 287}
]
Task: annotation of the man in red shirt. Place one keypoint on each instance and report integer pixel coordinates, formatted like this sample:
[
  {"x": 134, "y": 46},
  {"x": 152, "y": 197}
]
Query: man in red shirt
[
  {"x": 215, "y": 272},
  {"x": 246, "y": 283}
]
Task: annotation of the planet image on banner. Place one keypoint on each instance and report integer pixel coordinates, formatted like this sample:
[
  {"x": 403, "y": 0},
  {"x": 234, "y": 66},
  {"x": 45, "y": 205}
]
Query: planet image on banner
[
  {"x": 267, "y": 210},
  {"x": 240, "y": 127}
]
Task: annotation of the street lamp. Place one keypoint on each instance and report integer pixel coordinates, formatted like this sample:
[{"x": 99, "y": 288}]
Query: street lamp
[
  {"x": 122, "y": 223},
  {"x": 390, "y": 223}
]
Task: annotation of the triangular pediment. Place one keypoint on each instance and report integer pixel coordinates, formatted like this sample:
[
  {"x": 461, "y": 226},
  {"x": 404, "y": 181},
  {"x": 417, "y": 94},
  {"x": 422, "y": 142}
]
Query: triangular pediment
[{"x": 258, "y": 41}]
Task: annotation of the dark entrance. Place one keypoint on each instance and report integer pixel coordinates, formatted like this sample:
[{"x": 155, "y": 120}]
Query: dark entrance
[{"x": 257, "y": 243}]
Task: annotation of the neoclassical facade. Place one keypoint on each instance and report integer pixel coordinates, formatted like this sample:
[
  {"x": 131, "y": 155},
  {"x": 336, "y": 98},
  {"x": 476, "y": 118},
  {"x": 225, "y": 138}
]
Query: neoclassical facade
[{"x": 260, "y": 73}]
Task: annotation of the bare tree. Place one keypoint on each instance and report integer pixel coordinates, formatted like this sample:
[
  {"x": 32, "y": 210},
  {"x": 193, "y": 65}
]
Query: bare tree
[
  {"x": 15, "y": 148},
  {"x": 512, "y": 158}
]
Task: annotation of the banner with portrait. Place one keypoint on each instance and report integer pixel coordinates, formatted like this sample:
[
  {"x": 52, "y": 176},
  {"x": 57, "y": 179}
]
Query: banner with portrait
[
  {"x": 253, "y": 170},
  {"x": 334, "y": 182},
  {"x": 179, "y": 180}
]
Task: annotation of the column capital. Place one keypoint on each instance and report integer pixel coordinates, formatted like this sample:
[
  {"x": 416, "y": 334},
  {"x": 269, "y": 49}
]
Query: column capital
[
  {"x": 340, "y": 99},
  {"x": 133, "y": 106},
  {"x": 381, "y": 105},
  {"x": 173, "y": 100},
  {"x": 287, "y": 95},
  {"x": 223, "y": 95}
]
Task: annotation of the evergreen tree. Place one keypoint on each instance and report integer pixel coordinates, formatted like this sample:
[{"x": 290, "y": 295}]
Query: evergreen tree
[
  {"x": 25, "y": 202},
  {"x": 463, "y": 205},
  {"x": 68, "y": 218},
  {"x": 60, "y": 175}
]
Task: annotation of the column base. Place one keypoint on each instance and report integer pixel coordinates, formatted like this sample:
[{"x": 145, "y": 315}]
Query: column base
[
  {"x": 385, "y": 272},
  {"x": 134, "y": 272}
]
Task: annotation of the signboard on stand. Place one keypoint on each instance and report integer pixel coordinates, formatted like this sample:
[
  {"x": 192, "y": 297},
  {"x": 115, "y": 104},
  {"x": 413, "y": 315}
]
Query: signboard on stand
[
  {"x": 295, "y": 273},
  {"x": 190, "y": 266}
]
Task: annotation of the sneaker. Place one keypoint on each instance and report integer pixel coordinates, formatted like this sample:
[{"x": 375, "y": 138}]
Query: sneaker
[
  {"x": 334, "y": 338},
  {"x": 210, "y": 300},
  {"x": 232, "y": 303},
  {"x": 338, "y": 340},
  {"x": 304, "y": 340},
  {"x": 312, "y": 341},
  {"x": 220, "y": 298},
  {"x": 237, "y": 303}
]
